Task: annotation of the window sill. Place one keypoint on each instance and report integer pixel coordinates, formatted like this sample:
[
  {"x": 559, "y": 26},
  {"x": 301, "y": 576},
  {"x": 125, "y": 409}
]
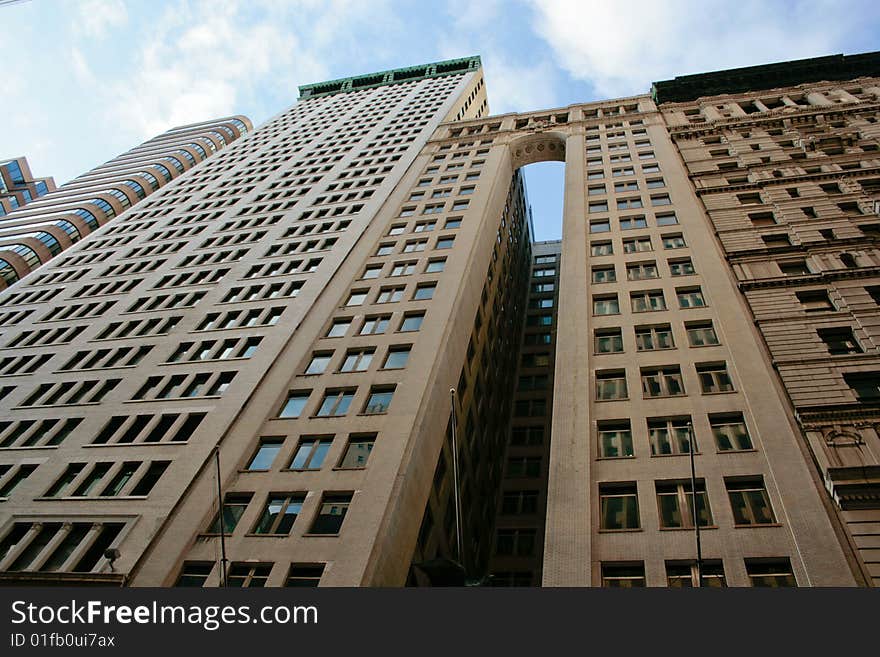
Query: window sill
[
  {"x": 675, "y": 454},
  {"x": 736, "y": 451},
  {"x": 621, "y": 531},
  {"x": 613, "y": 400},
  {"x": 721, "y": 392},
  {"x": 309, "y": 535},
  {"x": 758, "y": 525},
  {"x": 340, "y": 468},
  {"x": 615, "y": 458},
  {"x": 687, "y": 529}
]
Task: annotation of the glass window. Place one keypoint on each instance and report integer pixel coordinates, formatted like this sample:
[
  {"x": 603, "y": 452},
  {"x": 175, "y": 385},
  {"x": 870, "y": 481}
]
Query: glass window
[
  {"x": 650, "y": 338},
  {"x": 424, "y": 291},
  {"x": 412, "y": 322},
  {"x": 623, "y": 575},
  {"x": 670, "y": 436},
  {"x": 685, "y": 575},
  {"x": 662, "y": 381},
  {"x": 701, "y": 334},
  {"x": 608, "y": 341},
  {"x": 604, "y": 274},
  {"x": 675, "y": 501},
  {"x": 619, "y": 506},
  {"x": 310, "y": 453},
  {"x": 375, "y": 325},
  {"x": 304, "y": 575},
  {"x": 714, "y": 378},
  {"x": 357, "y": 360},
  {"x": 266, "y": 452},
  {"x": 673, "y": 242},
  {"x": 319, "y": 362},
  {"x": 601, "y": 248},
  {"x": 296, "y": 402},
  {"x": 690, "y": 297},
  {"x": 730, "y": 432},
  {"x": 378, "y": 401},
  {"x": 770, "y": 572},
  {"x": 356, "y": 298},
  {"x": 338, "y": 328},
  {"x": 234, "y": 506},
  {"x": 611, "y": 384},
  {"x": 279, "y": 513},
  {"x": 647, "y": 301},
  {"x": 397, "y": 358},
  {"x": 357, "y": 452},
  {"x": 607, "y": 305},
  {"x": 749, "y": 501},
  {"x": 435, "y": 266},
  {"x": 331, "y": 513},
  {"x": 615, "y": 439},
  {"x": 335, "y": 403}
]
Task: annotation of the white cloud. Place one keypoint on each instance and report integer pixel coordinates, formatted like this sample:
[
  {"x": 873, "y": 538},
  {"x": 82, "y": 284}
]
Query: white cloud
[
  {"x": 97, "y": 17},
  {"x": 621, "y": 48}
]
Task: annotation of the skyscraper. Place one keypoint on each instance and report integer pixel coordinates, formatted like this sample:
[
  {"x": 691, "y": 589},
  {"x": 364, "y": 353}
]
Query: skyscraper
[
  {"x": 30, "y": 236},
  {"x": 342, "y": 328}
]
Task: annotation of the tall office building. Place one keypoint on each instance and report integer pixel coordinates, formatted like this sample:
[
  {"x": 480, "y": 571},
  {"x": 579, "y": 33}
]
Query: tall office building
[
  {"x": 32, "y": 235},
  {"x": 342, "y": 326},
  {"x": 18, "y": 186}
]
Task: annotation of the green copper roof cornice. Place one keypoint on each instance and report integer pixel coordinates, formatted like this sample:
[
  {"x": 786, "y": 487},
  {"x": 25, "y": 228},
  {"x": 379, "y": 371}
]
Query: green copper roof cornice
[{"x": 395, "y": 76}]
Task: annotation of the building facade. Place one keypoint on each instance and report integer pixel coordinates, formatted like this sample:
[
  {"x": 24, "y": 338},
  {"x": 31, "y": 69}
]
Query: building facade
[
  {"x": 31, "y": 236},
  {"x": 342, "y": 328},
  {"x": 18, "y": 186}
]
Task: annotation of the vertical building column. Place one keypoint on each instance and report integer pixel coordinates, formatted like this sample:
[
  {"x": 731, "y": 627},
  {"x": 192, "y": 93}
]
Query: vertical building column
[{"x": 567, "y": 554}]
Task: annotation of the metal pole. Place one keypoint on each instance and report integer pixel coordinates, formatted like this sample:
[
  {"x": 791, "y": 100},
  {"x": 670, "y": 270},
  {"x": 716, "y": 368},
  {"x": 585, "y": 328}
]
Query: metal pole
[
  {"x": 455, "y": 491},
  {"x": 222, "y": 529},
  {"x": 694, "y": 505}
]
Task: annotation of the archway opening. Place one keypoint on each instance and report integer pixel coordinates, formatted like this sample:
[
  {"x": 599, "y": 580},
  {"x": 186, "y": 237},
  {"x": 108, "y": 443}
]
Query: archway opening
[{"x": 545, "y": 184}]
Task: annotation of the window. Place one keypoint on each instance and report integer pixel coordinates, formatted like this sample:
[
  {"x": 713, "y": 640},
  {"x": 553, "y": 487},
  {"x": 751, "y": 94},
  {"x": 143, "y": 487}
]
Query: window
[
  {"x": 647, "y": 301},
  {"x": 445, "y": 242},
  {"x": 403, "y": 269},
  {"x": 651, "y": 338},
  {"x": 866, "y": 385},
  {"x": 662, "y": 382},
  {"x": 615, "y": 439},
  {"x": 606, "y": 305},
  {"x": 701, "y": 334},
  {"x": 414, "y": 246},
  {"x": 527, "y": 435},
  {"x": 729, "y": 430},
  {"x": 385, "y": 249},
  {"x": 675, "y": 501},
  {"x": 637, "y": 245},
  {"x": 631, "y": 204},
  {"x": 608, "y": 341},
  {"x": 397, "y": 358},
  {"x": 666, "y": 219},
  {"x": 673, "y": 242},
  {"x": 304, "y": 575},
  {"x": 378, "y": 401},
  {"x": 357, "y": 360},
  {"x": 653, "y": 183},
  {"x": 266, "y": 452},
  {"x": 335, "y": 402},
  {"x": 618, "y": 506},
  {"x": 319, "y": 362},
  {"x": 435, "y": 266},
  {"x": 639, "y": 271},
  {"x": 424, "y": 226},
  {"x": 390, "y": 295},
  {"x": 519, "y": 502},
  {"x": 601, "y": 226},
  {"x": 628, "y": 223},
  {"x": 598, "y": 206},
  {"x": 247, "y": 575},
  {"x": 356, "y": 298},
  {"x": 279, "y": 513},
  {"x": 770, "y": 572},
  {"x": 194, "y": 574},
  {"x": 234, "y": 505},
  {"x": 749, "y": 501},
  {"x": 596, "y": 190},
  {"x": 683, "y": 267},
  {"x": 839, "y": 340},
  {"x": 623, "y": 575},
  {"x": 776, "y": 240},
  {"x": 310, "y": 453},
  {"x": 619, "y": 187},
  {"x": 372, "y": 271},
  {"x": 670, "y": 436},
  {"x": 714, "y": 378},
  {"x": 686, "y": 575},
  {"x": 452, "y": 222},
  {"x": 515, "y": 542},
  {"x": 690, "y": 297},
  {"x": 794, "y": 268},
  {"x": 332, "y": 512},
  {"x": 375, "y": 325},
  {"x": 601, "y": 248},
  {"x": 424, "y": 291},
  {"x": 357, "y": 452},
  {"x": 611, "y": 384},
  {"x": 295, "y": 403},
  {"x": 411, "y": 322},
  {"x": 604, "y": 274},
  {"x": 397, "y": 229},
  {"x": 815, "y": 300},
  {"x": 523, "y": 466}
]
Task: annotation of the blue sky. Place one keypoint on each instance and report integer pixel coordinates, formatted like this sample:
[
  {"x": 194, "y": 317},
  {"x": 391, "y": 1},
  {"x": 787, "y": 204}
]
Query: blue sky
[{"x": 85, "y": 80}]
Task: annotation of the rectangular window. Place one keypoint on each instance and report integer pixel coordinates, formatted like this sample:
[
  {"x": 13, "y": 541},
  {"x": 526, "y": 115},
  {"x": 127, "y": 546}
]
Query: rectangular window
[
  {"x": 357, "y": 452},
  {"x": 375, "y": 325},
  {"x": 356, "y": 298},
  {"x": 662, "y": 381},
  {"x": 372, "y": 271},
  {"x": 606, "y": 305},
  {"x": 411, "y": 322},
  {"x": 600, "y": 226},
  {"x": 673, "y": 242},
  {"x": 839, "y": 340},
  {"x": 390, "y": 295},
  {"x": 683, "y": 267},
  {"x": 608, "y": 341},
  {"x": 666, "y": 219},
  {"x": 266, "y": 452},
  {"x": 730, "y": 432},
  {"x": 637, "y": 245},
  {"x": 397, "y": 358},
  {"x": 310, "y": 453},
  {"x": 675, "y": 502},
  {"x": 357, "y": 360},
  {"x": 338, "y": 328},
  {"x": 629, "y": 223},
  {"x": 618, "y": 506},
  {"x": 295, "y": 403},
  {"x": 379, "y": 400},
  {"x": 604, "y": 274},
  {"x": 647, "y": 301},
  {"x": 611, "y": 384},
  {"x": 248, "y": 575},
  {"x": 749, "y": 501},
  {"x": 424, "y": 292},
  {"x": 331, "y": 513},
  {"x": 690, "y": 297},
  {"x": 640, "y": 271},
  {"x": 598, "y": 206},
  {"x": 515, "y": 542},
  {"x": 670, "y": 436},
  {"x": 770, "y": 572},
  {"x": 714, "y": 378},
  {"x": 866, "y": 385},
  {"x": 279, "y": 513},
  {"x": 815, "y": 300},
  {"x": 234, "y": 506},
  {"x": 686, "y": 575},
  {"x": 304, "y": 575},
  {"x": 403, "y": 269},
  {"x": 335, "y": 403},
  {"x": 601, "y": 248},
  {"x": 615, "y": 439},
  {"x": 319, "y": 362},
  {"x": 623, "y": 575},
  {"x": 651, "y": 338}
]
